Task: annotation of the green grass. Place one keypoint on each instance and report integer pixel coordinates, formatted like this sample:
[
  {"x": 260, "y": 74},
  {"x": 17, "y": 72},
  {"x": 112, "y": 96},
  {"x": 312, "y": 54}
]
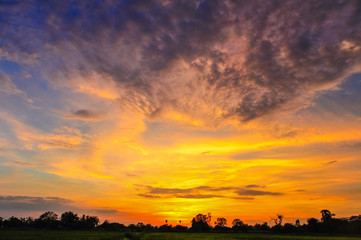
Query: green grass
[{"x": 100, "y": 235}]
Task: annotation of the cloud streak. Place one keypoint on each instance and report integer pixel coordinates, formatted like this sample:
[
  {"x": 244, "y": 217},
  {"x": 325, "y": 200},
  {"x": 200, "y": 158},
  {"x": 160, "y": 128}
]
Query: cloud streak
[
  {"x": 245, "y": 193},
  {"x": 57, "y": 204},
  {"x": 8, "y": 87},
  {"x": 35, "y": 203},
  {"x": 251, "y": 192}
]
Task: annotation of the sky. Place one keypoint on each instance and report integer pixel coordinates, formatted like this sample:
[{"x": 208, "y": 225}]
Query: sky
[{"x": 146, "y": 111}]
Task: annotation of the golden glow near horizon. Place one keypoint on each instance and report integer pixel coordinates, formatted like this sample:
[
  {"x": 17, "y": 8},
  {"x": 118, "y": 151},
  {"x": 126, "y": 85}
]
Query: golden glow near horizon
[
  {"x": 151, "y": 170},
  {"x": 143, "y": 121}
]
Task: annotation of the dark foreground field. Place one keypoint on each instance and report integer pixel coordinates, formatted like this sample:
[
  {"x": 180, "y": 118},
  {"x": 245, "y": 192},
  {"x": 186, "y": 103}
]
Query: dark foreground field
[{"x": 100, "y": 235}]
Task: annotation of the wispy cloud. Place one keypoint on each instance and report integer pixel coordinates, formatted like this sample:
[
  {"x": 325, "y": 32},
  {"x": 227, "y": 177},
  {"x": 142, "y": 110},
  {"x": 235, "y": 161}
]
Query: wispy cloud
[
  {"x": 29, "y": 137},
  {"x": 7, "y": 86}
]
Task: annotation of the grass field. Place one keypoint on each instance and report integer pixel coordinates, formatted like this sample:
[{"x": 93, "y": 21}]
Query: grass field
[{"x": 100, "y": 235}]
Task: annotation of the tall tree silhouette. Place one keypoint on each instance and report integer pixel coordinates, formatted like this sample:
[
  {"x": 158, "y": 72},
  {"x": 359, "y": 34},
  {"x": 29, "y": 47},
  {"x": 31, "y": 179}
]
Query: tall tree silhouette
[
  {"x": 201, "y": 223},
  {"x": 69, "y": 220},
  {"x": 278, "y": 220},
  {"x": 326, "y": 216},
  {"x": 239, "y": 226},
  {"x": 48, "y": 220}
]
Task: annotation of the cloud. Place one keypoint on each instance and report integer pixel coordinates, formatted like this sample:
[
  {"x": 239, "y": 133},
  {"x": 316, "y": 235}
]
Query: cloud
[
  {"x": 207, "y": 60},
  {"x": 244, "y": 198},
  {"x": 191, "y": 196},
  {"x": 343, "y": 101},
  {"x": 85, "y": 115},
  {"x": 251, "y": 192},
  {"x": 207, "y": 192},
  {"x": 213, "y": 189},
  {"x": 27, "y": 203},
  {"x": 254, "y": 186},
  {"x": 157, "y": 190},
  {"x": 149, "y": 196},
  {"x": 199, "y": 196},
  {"x": 32, "y": 138},
  {"x": 53, "y": 143},
  {"x": 56, "y": 204},
  {"x": 104, "y": 211},
  {"x": 331, "y": 162},
  {"x": 6, "y": 85}
]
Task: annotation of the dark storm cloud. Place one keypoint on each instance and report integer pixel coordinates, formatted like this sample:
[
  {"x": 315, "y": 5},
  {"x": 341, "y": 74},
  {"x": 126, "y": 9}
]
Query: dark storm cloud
[{"x": 251, "y": 57}]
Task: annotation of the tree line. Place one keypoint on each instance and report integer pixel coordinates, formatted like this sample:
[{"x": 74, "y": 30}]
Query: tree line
[{"x": 327, "y": 224}]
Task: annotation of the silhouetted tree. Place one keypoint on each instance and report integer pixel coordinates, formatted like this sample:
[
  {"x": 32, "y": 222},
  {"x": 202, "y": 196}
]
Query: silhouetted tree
[
  {"x": 278, "y": 220},
  {"x": 200, "y": 223},
  {"x": 88, "y": 222},
  {"x": 106, "y": 225},
  {"x": 289, "y": 228},
  {"x": 47, "y": 220},
  {"x": 313, "y": 225},
  {"x": 260, "y": 227},
  {"x": 326, "y": 216},
  {"x": 140, "y": 227},
  {"x": 354, "y": 224},
  {"x": 29, "y": 221},
  {"x": 132, "y": 227},
  {"x": 297, "y": 223},
  {"x": 221, "y": 222},
  {"x": 239, "y": 226},
  {"x": 220, "y": 225},
  {"x": 14, "y": 222},
  {"x": 149, "y": 228},
  {"x": 165, "y": 228},
  {"x": 69, "y": 220},
  {"x": 265, "y": 227},
  {"x": 180, "y": 228}
]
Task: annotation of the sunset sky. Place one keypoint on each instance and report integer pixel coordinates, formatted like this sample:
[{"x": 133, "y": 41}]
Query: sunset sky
[{"x": 142, "y": 111}]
